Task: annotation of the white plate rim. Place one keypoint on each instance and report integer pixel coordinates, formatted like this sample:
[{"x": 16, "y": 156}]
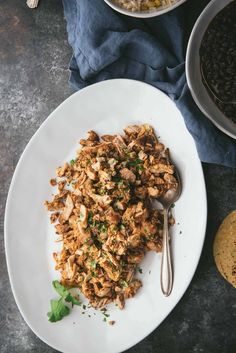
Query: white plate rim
[{"x": 9, "y": 196}]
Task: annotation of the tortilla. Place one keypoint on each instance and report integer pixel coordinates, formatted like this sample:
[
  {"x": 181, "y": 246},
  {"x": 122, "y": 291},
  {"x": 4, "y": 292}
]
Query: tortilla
[{"x": 224, "y": 248}]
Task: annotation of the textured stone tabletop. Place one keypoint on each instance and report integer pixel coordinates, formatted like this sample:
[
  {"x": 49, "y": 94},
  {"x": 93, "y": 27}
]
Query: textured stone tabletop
[{"x": 34, "y": 55}]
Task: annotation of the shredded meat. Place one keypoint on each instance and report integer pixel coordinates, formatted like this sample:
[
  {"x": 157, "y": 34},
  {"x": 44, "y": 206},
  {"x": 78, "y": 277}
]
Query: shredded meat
[{"x": 103, "y": 215}]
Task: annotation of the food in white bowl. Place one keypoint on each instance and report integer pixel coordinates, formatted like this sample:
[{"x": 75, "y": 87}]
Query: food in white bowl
[
  {"x": 143, "y": 8},
  {"x": 144, "y": 5}
]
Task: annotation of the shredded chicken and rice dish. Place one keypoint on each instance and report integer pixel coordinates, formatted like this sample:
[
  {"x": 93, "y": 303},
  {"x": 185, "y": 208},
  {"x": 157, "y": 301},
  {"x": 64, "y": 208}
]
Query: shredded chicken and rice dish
[
  {"x": 144, "y": 5},
  {"x": 102, "y": 212}
]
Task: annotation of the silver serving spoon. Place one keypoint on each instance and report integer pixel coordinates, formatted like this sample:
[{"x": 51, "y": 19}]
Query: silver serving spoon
[{"x": 166, "y": 201}]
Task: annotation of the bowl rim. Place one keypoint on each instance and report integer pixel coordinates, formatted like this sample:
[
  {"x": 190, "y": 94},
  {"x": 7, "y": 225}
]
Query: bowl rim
[
  {"x": 143, "y": 14},
  {"x": 195, "y": 38}
]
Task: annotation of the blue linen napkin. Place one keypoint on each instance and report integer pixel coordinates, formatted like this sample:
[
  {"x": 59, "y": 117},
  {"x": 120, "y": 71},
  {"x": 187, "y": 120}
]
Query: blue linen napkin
[{"x": 109, "y": 45}]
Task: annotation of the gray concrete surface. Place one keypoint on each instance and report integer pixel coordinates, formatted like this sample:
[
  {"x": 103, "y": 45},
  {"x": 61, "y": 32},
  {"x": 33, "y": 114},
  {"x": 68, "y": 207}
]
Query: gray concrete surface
[{"x": 34, "y": 54}]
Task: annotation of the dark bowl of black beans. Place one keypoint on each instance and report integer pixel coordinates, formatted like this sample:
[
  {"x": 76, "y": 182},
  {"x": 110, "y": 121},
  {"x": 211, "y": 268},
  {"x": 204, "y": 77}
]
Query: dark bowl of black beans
[{"x": 211, "y": 64}]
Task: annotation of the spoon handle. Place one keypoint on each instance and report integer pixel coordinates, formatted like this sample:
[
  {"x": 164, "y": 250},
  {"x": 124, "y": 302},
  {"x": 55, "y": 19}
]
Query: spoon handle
[{"x": 166, "y": 264}]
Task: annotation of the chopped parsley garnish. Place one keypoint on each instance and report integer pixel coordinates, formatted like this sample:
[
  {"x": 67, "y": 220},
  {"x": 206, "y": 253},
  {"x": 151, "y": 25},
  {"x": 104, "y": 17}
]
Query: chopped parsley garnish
[
  {"x": 102, "y": 192},
  {"x": 89, "y": 161},
  {"x": 93, "y": 264},
  {"x": 120, "y": 198},
  {"x": 121, "y": 226},
  {"x": 90, "y": 218},
  {"x": 140, "y": 167},
  {"x": 72, "y": 162},
  {"x": 150, "y": 236},
  {"x": 117, "y": 179},
  {"x": 173, "y": 205},
  {"x": 84, "y": 306},
  {"x": 140, "y": 270},
  {"x": 135, "y": 162},
  {"x": 105, "y": 314},
  {"x": 102, "y": 227},
  {"x": 123, "y": 283}
]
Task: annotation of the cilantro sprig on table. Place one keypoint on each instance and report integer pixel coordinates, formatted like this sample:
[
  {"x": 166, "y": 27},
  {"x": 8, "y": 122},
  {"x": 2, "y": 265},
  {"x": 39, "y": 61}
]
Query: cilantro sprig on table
[{"x": 58, "y": 307}]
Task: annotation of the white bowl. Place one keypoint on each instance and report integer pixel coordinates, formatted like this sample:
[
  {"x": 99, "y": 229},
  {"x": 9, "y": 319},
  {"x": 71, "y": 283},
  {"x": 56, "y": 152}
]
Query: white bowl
[
  {"x": 144, "y": 14},
  {"x": 193, "y": 73}
]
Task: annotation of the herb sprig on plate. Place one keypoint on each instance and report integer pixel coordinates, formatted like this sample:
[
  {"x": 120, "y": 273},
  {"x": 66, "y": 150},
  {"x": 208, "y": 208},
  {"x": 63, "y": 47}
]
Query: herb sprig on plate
[{"x": 58, "y": 307}]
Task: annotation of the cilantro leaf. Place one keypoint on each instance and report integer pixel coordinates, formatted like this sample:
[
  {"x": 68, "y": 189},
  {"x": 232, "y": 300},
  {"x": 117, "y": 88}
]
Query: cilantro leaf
[
  {"x": 72, "y": 300},
  {"x": 90, "y": 217},
  {"x": 121, "y": 226},
  {"x": 58, "y": 310},
  {"x": 140, "y": 270},
  {"x": 65, "y": 294},
  {"x": 89, "y": 161},
  {"x": 116, "y": 179},
  {"x": 102, "y": 227},
  {"x": 61, "y": 290},
  {"x": 140, "y": 167},
  {"x": 135, "y": 162},
  {"x": 72, "y": 162},
  {"x": 93, "y": 264},
  {"x": 123, "y": 283}
]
